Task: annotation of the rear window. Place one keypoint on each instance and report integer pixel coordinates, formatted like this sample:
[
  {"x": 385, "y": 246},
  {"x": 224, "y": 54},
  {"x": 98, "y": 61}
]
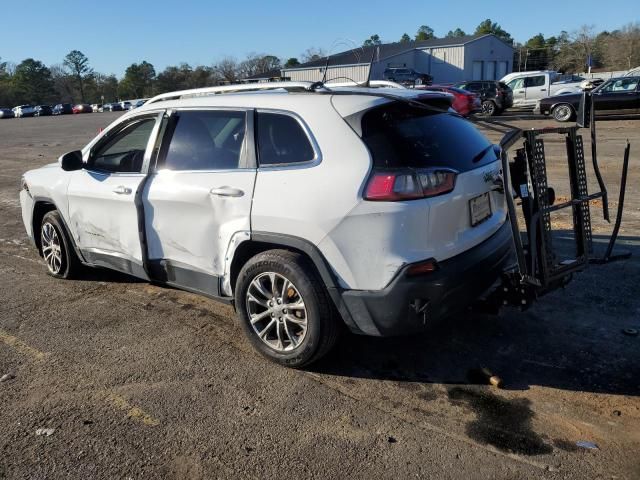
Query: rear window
[
  {"x": 282, "y": 141},
  {"x": 399, "y": 135}
]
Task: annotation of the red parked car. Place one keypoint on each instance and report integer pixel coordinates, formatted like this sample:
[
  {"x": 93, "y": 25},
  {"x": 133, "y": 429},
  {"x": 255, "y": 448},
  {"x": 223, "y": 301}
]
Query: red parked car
[
  {"x": 82, "y": 108},
  {"x": 465, "y": 103}
]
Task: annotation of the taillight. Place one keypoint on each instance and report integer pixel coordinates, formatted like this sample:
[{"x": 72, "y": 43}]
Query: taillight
[
  {"x": 397, "y": 185},
  {"x": 421, "y": 268}
]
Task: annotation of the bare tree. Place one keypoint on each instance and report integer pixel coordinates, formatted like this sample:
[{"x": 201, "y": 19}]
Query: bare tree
[
  {"x": 227, "y": 69},
  {"x": 574, "y": 49},
  {"x": 63, "y": 83},
  {"x": 623, "y": 47},
  {"x": 258, "y": 63},
  {"x": 312, "y": 54}
]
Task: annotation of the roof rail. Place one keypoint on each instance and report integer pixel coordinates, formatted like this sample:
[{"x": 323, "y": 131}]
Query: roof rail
[
  {"x": 372, "y": 84},
  {"x": 199, "y": 92}
]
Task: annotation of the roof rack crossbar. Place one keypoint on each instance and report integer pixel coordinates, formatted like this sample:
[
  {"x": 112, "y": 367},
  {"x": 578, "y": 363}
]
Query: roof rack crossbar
[{"x": 198, "y": 92}]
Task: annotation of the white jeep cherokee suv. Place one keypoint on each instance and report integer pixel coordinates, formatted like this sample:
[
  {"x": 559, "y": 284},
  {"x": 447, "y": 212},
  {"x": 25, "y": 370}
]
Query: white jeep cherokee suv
[{"x": 306, "y": 206}]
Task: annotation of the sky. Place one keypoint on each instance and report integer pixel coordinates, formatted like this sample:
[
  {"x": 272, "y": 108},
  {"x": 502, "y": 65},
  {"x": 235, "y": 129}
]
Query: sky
[{"x": 117, "y": 33}]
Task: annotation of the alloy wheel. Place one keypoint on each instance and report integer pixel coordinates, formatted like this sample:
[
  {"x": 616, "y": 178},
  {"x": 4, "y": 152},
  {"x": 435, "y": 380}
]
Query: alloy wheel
[
  {"x": 562, "y": 113},
  {"x": 488, "y": 108},
  {"x": 277, "y": 312},
  {"x": 51, "y": 249}
]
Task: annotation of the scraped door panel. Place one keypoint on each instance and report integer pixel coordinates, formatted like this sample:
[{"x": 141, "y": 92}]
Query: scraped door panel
[
  {"x": 199, "y": 197},
  {"x": 102, "y": 213},
  {"x": 192, "y": 216}
]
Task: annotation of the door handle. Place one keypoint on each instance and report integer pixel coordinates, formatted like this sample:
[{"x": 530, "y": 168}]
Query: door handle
[
  {"x": 543, "y": 89},
  {"x": 122, "y": 190},
  {"x": 226, "y": 192}
]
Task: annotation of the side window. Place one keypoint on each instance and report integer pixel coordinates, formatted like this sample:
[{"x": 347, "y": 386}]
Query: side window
[
  {"x": 515, "y": 84},
  {"x": 206, "y": 140},
  {"x": 537, "y": 81},
  {"x": 282, "y": 140},
  {"x": 621, "y": 85},
  {"x": 124, "y": 152},
  {"x": 474, "y": 86}
]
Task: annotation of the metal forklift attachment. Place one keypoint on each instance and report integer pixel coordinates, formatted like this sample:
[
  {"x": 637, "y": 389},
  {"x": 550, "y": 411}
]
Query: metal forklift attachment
[{"x": 540, "y": 268}]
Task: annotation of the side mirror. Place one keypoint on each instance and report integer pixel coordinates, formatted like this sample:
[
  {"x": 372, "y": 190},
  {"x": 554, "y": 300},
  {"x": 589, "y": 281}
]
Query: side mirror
[{"x": 71, "y": 161}]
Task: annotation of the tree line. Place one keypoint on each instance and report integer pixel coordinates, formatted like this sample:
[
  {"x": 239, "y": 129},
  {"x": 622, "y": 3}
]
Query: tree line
[{"x": 75, "y": 81}]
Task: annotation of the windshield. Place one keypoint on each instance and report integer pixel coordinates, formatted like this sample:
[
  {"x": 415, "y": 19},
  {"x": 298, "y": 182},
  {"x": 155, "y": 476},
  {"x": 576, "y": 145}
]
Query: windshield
[{"x": 399, "y": 135}]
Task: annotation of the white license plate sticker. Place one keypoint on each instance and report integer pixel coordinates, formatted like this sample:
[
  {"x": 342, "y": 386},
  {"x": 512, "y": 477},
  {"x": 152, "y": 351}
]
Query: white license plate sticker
[{"x": 480, "y": 208}]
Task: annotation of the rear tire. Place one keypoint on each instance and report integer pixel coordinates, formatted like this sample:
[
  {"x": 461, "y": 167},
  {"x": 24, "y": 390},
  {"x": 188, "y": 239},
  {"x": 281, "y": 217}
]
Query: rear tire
[
  {"x": 489, "y": 108},
  {"x": 56, "y": 248},
  {"x": 284, "y": 308},
  {"x": 563, "y": 112}
]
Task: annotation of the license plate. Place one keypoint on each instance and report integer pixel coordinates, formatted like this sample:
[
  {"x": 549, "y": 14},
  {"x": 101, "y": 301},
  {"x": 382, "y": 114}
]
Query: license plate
[{"x": 480, "y": 208}]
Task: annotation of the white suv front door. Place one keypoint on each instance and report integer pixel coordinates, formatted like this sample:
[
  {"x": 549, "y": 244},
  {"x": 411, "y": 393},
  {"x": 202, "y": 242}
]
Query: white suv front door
[
  {"x": 535, "y": 89},
  {"x": 102, "y": 209},
  {"x": 198, "y": 199},
  {"x": 517, "y": 86}
]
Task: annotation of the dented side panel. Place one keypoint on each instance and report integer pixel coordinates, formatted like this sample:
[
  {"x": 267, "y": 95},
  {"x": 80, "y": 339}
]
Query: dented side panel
[
  {"x": 101, "y": 219},
  {"x": 188, "y": 225}
]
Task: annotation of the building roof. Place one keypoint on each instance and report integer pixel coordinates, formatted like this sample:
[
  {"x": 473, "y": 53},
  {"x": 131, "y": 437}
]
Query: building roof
[{"x": 363, "y": 54}]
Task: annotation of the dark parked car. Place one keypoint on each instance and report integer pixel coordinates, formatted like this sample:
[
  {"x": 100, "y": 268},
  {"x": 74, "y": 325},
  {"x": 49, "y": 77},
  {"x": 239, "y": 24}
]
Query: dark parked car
[
  {"x": 63, "y": 109},
  {"x": 82, "y": 108},
  {"x": 617, "y": 96},
  {"x": 407, "y": 75},
  {"x": 43, "y": 111},
  {"x": 112, "y": 107},
  {"x": 6, "y": 113},
  {"x": 494, "y": 96}
]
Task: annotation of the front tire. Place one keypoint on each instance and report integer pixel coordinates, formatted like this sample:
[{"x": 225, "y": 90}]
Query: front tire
[
  {"x": 563, "y": 112},
  {"x": 56, "y": 248},
  {"x": 285, "y": 309}
]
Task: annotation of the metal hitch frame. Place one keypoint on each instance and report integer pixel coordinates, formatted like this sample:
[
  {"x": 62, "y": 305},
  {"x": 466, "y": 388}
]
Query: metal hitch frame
[{"x": 537, "y": 269}]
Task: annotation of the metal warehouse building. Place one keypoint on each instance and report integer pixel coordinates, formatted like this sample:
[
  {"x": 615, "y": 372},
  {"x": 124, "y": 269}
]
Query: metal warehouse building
[{"x": 447, "y": 60}]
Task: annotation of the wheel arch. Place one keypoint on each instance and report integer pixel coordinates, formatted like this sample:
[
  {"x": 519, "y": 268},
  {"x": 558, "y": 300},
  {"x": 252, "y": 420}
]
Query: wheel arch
[
  {"x": 263, "y": 241},
  {"x": 41, "y": 207}
]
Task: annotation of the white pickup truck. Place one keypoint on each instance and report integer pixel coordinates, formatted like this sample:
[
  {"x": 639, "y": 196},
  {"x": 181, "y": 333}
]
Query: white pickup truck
[{"x": 529, "y": 87}]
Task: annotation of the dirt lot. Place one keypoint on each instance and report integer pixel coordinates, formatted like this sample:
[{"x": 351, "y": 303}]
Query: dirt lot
[{"x": 144, "y": 382}]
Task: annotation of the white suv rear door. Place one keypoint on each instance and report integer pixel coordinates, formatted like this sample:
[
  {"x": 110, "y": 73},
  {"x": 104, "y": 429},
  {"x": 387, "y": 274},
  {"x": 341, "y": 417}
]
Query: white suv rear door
[
  {"x": 198, "y": 199},
  {"x": 102, "y": 209}
]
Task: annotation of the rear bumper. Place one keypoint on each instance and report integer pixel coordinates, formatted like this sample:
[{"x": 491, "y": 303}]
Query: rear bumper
[{"x": 454, "y": 286}]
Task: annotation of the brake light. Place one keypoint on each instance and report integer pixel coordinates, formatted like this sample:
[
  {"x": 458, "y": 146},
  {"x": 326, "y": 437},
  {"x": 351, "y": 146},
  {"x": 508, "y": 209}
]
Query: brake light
[
  {"x": 420, "y": 268},
  {"x": 398, "y": 185}
]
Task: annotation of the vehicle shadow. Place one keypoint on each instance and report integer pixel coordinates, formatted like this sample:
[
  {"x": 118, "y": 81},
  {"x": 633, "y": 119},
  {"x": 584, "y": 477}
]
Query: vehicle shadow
[{"x": 571, "y": 339}]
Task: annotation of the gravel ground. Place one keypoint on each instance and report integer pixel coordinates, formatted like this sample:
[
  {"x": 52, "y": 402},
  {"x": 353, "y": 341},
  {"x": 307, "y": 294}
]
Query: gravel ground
[{"x": 137, "y": 381}]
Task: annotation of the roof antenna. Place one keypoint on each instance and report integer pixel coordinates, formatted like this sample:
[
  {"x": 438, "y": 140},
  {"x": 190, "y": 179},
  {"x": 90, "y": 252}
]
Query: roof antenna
[
  {"x": 326, "y": 69},
  {"x": 373, "y": 52}
]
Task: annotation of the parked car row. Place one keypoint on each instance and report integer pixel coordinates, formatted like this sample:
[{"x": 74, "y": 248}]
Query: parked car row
[{"x": 67, "y": 108}]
